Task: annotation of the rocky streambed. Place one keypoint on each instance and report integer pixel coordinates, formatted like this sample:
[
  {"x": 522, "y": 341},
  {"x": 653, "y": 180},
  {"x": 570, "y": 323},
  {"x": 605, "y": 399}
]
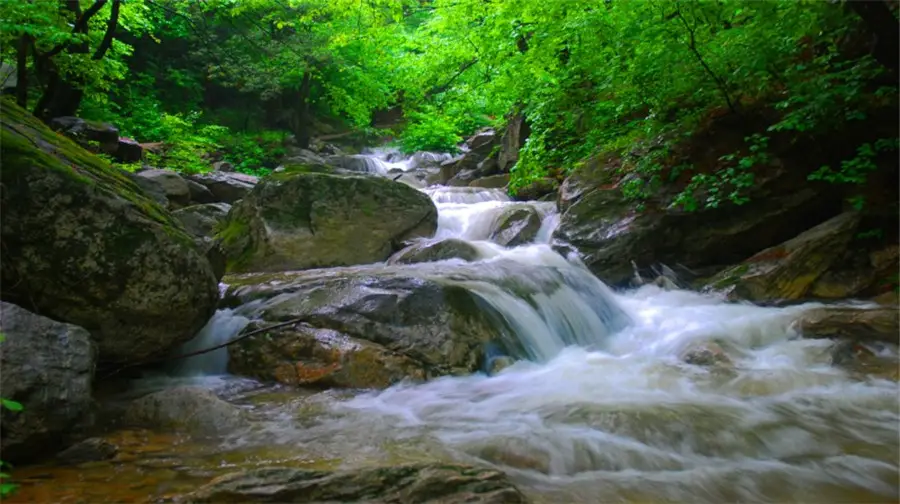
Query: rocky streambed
[{"x": 431, "y": 340}]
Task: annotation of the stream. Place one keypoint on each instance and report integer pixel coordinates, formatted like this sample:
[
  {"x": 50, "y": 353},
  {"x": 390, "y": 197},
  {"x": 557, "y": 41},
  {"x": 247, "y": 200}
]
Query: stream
[{"x": 604, "y": 410}]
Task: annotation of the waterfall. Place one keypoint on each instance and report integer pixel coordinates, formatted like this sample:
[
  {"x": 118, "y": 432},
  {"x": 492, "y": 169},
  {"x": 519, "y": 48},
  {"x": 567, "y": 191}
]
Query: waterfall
[{"x": 221, "y": 327}]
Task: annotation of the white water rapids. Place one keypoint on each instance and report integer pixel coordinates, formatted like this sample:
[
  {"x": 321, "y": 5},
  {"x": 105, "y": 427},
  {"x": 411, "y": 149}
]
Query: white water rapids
[{"x": 608, "y": 410}]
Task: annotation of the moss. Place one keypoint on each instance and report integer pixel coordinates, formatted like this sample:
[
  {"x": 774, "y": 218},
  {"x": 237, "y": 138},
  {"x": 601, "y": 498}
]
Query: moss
[
  {"x": 234, "y": 234},
  {"x": 292, "y": 168},
  {"x": 730, "y": 277},
  {"x": 26, "y": 143}
]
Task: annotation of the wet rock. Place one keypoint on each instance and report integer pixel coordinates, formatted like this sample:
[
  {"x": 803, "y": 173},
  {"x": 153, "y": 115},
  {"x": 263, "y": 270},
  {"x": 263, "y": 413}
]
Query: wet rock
[
  {"x": 192, "y": 409},
  {"x": 788, "y": 270},
  {"x": 305, "y": 355},
  {"x": 226, "y": 187},
  {"x": 88, "y": 450},
  {"x": 859, "y": 273},
  {"x": 491, "y": 182},
  {"x": 409, "y": 484},
  {"x": 880, "y": 323},
  {"x": 149, "y": 188},
  {"x": 536, "y": 190},
  {"x": 516, "y": 225},
  {"x": 706, "y": 354},
  {"x": 84, "y": 245},
  {"x": 201, "y": 220},
  {"x": 450, "y": 248},
  {"x": 48, "y": 367},
  {"x": 609, "y": 232},
  {"x": 312, "y": 220},
  {"x": 500, "y": 363},
  {"x": 439, "y": 326},
  {"x": 173, "y": 186}
]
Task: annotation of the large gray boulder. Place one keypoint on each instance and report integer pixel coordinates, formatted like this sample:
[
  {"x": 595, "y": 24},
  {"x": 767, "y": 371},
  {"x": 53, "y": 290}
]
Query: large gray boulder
[
  {"x": 434, "y": 483},
  {"x": 48, "y": 367},
  {"x": 84, "y": 245},
  {"x": 301, "y": 220},
  {"x": 171, "y": 184},
  {"x": 201, "y": 220},
  {"x": 226, "y": 187}
]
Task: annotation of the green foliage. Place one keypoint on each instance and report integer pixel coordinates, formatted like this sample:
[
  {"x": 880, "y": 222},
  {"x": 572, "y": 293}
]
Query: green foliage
[
  {"x": 429, "y": 131},
  {"x": 856, "y": 169},
  {"x": 6, "y": 487}
]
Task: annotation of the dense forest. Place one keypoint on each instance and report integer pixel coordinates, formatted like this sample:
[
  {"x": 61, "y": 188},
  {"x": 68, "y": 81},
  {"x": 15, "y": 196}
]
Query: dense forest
[
  {"x": 237, "y": 76},
  {"x": 456, "y": 251}
]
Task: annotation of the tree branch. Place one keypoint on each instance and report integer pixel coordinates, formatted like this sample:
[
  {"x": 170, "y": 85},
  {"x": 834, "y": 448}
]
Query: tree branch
[{"x": 111, "y": 25}]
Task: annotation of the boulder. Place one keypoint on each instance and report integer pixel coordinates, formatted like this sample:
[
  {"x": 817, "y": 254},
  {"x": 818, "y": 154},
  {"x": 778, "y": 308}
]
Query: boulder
[
  {"x": 609, "y": 232},
  {"x": 303, "y": 355},
  {"x": 48, "y": 367},
  {"x": 84, "y": 245},
  {"x": 226, "y": 187},
  {"x": 81, "y": 130},
  {"x": 128, "y": 151},
  {"x": 513, "y": 139},
  {"x": 516, "y": 225},
  {"x": 194, "y": 410},
  {"x": 863, "y": 271},
  {"x": 199, "y": 193},
  {"x": 449, "y": 168},
  {"x": 149, "y": 188},
  {"x": 536, "y": 190},
  {"x": 862, "y": 324},
  {"x": 438, "y": 327},
  {"x": 201, "y": 220},
  {"x": 430, "y": 251},
  {"x": 172, "y": 185},
  {"x": 223, "y": 166},
  {"x": 491, "y": 182},
  {"x": 434, "y": 483},
  {"x": 788, "y": 270},
  {"x": 482, "y": 143},
  {"x": 314, "y": 220}
]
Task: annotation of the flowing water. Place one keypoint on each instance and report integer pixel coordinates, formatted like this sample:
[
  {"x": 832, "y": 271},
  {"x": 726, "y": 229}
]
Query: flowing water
[{"x": 606, "y": 409}]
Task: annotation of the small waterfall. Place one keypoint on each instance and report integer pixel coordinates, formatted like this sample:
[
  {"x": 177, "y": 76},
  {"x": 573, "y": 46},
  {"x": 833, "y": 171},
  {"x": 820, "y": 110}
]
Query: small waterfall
[
  {"x": 384, "y": 161},
  {"x": 222, "y": 327}
]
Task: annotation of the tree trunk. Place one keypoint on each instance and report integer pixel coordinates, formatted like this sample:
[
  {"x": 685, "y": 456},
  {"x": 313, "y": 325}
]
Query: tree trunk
[
  {"x": 881, "y": 22},
  {"x": 22, "y": 72},
  {"x": 300, "y": 117}
]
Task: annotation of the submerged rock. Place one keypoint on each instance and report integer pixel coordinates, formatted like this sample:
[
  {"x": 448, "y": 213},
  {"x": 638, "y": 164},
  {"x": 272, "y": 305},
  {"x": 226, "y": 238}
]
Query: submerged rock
[
  {"x": 84, "y": 245},
  {"x": 516, "y": 225},
  {"x": 88, "y": 450},
  {"x": 48, "y": 367},
  {"x": 789, "y": 270},
  {"x": 314, "y": 220},
  {"x": 706, "y": 354},
  {"x": 880, "y": 323},
  {"x": 191, "y": 409},
  {"x": 442, "y": 250},
  {"x": 408, "y": 484},
  {"x": 226, "y": 187}
]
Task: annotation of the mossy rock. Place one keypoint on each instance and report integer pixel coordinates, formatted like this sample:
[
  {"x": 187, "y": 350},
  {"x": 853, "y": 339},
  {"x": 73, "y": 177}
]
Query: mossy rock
[
  {"x": 301, "y": 220},
  {"x": 83, "y": 244}
]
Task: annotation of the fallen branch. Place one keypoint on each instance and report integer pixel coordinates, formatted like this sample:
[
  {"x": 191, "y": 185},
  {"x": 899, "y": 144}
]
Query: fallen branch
[{"x": 240, "y": 337}]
